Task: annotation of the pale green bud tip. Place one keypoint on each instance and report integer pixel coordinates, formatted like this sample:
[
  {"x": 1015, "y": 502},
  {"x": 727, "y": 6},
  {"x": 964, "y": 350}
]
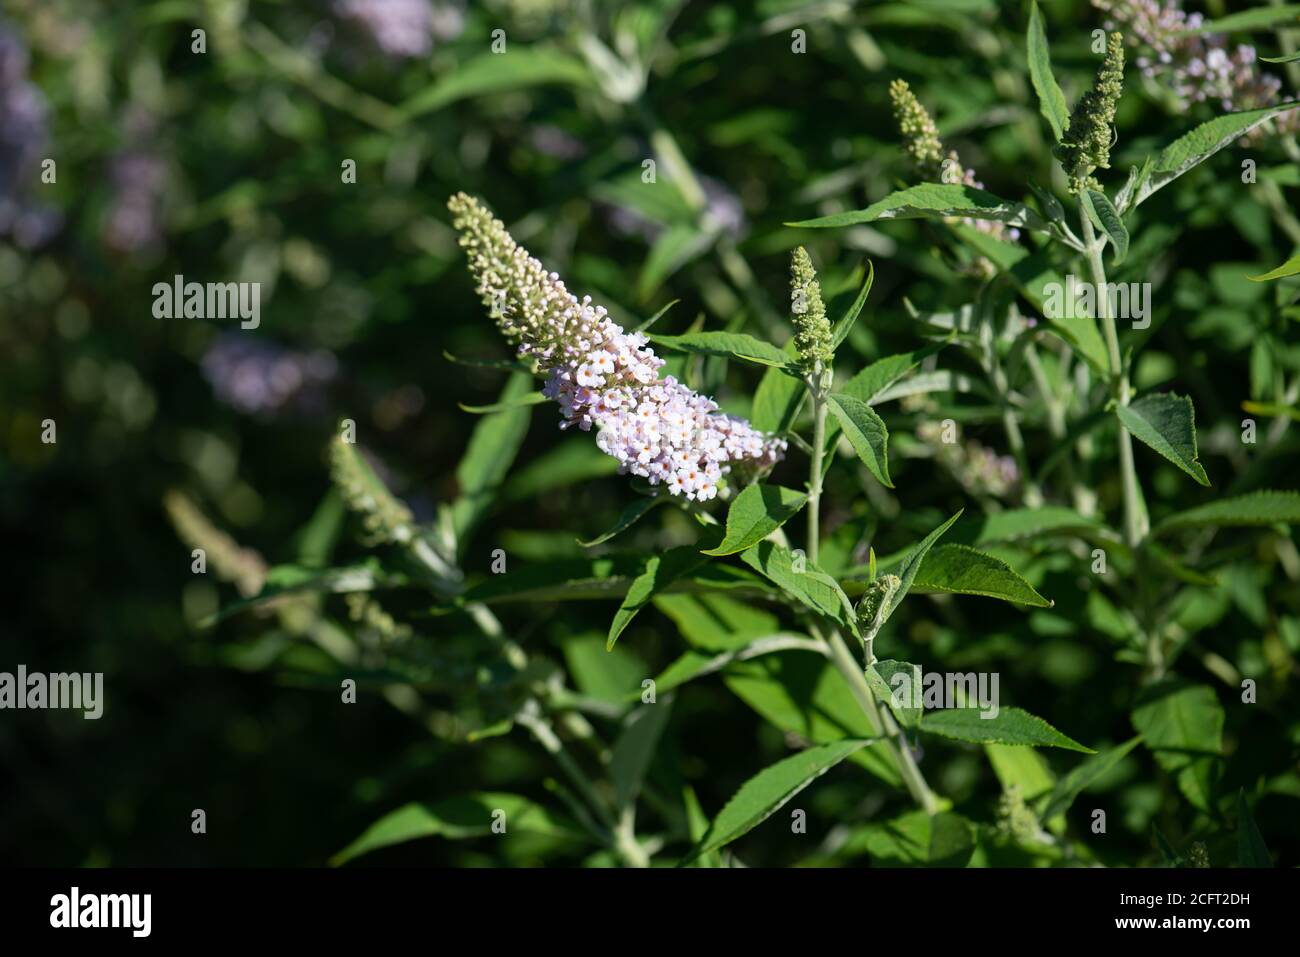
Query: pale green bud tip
[
  {"x": 384, "y": 518},
  {"x": 1087, "y": 141},
  {"x": 920, "y": 135},
  {"x": 874, "y": 601},
  {"x": 812, "y": 336},
  {"x": 1016, "y": 819}
]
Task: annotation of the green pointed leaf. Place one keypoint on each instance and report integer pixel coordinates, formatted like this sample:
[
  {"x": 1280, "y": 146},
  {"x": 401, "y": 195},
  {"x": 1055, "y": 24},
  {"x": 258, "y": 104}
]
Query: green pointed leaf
[
  {"x": 660, "y": 571},
  {"x": 845, "y": 325},
  {"x": 632, "y": 513},
  {"x": 936, "y": 201},
  {"x": 656, "y": 317},
  {"x": 912, "y": 564},
  {"x": 525, "y": 66},
  {"x": 531, "y": 398},
  {"x": 757, "y": 512},
  {"x": 1051, "y": 101},
  {"x": 728, "y": 345},
  {"x": 1009, "y": 726},
  {"x": 1289, "y": 268},
  {"x": 866, "y": 432},
  {"x": 1251, "y": 849},
  {"x": 1200, "y": 144},
  {"x": 1289, "y": 58},
  {"x": 767, "y": 792},
  {"x": 800, "y": 579},
  {"x": 1260, "y": 18},
  {"x": 1183, "y": 719},
  {"x": 805, "y": 694},
  {"x": 897, "y": 692},
  {"x": 1253, "y": 508},
  {"x": 872, "y": 382},
  {"x": 962, "y": 570},
  {"x": 1167, "y": 423},
  {"x": 778, "y": 397},
  {"x": 1019, "y": 524},
  {"x": 1074, "y": 783},
  {"x": 469, "y": 815},
  {"x": 492, "y": 449},
  {"x": 635, "y": 749},
  {"x": 1107, "y": 219}
]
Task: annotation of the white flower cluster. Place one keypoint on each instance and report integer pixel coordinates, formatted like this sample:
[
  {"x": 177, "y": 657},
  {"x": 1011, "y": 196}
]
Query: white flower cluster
[{"x": 605, "y": 377}]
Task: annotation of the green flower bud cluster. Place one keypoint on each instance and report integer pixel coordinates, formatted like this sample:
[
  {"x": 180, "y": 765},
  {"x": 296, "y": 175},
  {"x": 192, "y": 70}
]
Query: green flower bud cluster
[
  {"x": 812, "y": 337},
  {"x": 231, "y": 561},
  {"x": 874, "y": 602},
  {"x": 920, "y": 135},
  {"x": 1016, "y": 819},
  {"x": 384, "y": 518},
  {"x": 1087, "y": 141},
  {"x": 371, "y": 616}
]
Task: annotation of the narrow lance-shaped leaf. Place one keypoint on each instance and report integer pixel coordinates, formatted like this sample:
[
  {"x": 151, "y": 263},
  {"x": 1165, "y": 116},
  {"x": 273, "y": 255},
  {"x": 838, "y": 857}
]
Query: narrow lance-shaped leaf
[
  {"x": 866, "y": 432},
  {"x": 912, "y": 564},
  {"x": 778, "y": 397},
  {"x": 492, "y": 449},
  {"x": 767, "y": 792},
  {"x": 756, "y": 513},
  {"x": 1167, "y": 423},
  {"x": 659, "y": 572},
  {"x": 635, "y": 748},
  {"x": 466, "y": 816},
  {"x": 1008, "y": 726},
  {"x": 1105, "y": 217},
  {"x": 1251, "y": 849},
  {"x": 1051, "y": 101},
  {"x": 962, "y": 570},
  {"x": 1253, "y": 508},
  {"x": 1074, "y": 783},
  {"x": 728, "y": 345},
  {"x": 1200, "y": 144},
  {"x": 1289, "y": 268},
  {"x": 632, "y": 513},
  {"x": 1261, "y": 18},
  {"x": 845, "y": 325},
  {"x": 936, "y": 201}
]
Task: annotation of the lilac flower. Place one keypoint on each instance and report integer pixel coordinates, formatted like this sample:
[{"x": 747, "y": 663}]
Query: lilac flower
[
  {"x": 605, "y": 377},
  {"x": 400, "y": 28},
  {"x": 256, "y": 377},
  {"x": 133, "y": 223},
  {"x": 1196, "y": 67},
  {"x": 24, "y": 142}
]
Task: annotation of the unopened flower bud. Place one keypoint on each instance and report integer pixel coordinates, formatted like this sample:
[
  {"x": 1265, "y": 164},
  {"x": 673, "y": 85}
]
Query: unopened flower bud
[
  {"x": 812, "y": 335},
  {"x": 1087, "y": 141}
]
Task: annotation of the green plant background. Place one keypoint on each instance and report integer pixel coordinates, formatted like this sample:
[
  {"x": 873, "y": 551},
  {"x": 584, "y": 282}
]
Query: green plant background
[{"x": 244, "y": 719}]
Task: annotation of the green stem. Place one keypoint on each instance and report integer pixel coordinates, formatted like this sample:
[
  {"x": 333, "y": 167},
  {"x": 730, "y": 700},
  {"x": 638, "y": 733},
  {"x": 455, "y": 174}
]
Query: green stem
[
  {"x": 882, "y": 723},
  {"x": 1134, "y": 519},
  {"x": 815, "y": 472}
]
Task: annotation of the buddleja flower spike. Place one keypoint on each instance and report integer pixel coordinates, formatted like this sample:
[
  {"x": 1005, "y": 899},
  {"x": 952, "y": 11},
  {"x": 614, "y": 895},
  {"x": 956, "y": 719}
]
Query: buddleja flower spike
[{"x": 602, "y": 376}]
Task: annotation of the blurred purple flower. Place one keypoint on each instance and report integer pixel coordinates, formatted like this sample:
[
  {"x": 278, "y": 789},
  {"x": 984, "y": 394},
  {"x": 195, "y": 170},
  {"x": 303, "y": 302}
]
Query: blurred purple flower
[
  {"x": 260, "y": 378},
  {"x": 399, "y": 28},
  {"x": 138, "y": 178},
  {"x": 24, "y": 140},
  {"x": 1197, "y": 67}
]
